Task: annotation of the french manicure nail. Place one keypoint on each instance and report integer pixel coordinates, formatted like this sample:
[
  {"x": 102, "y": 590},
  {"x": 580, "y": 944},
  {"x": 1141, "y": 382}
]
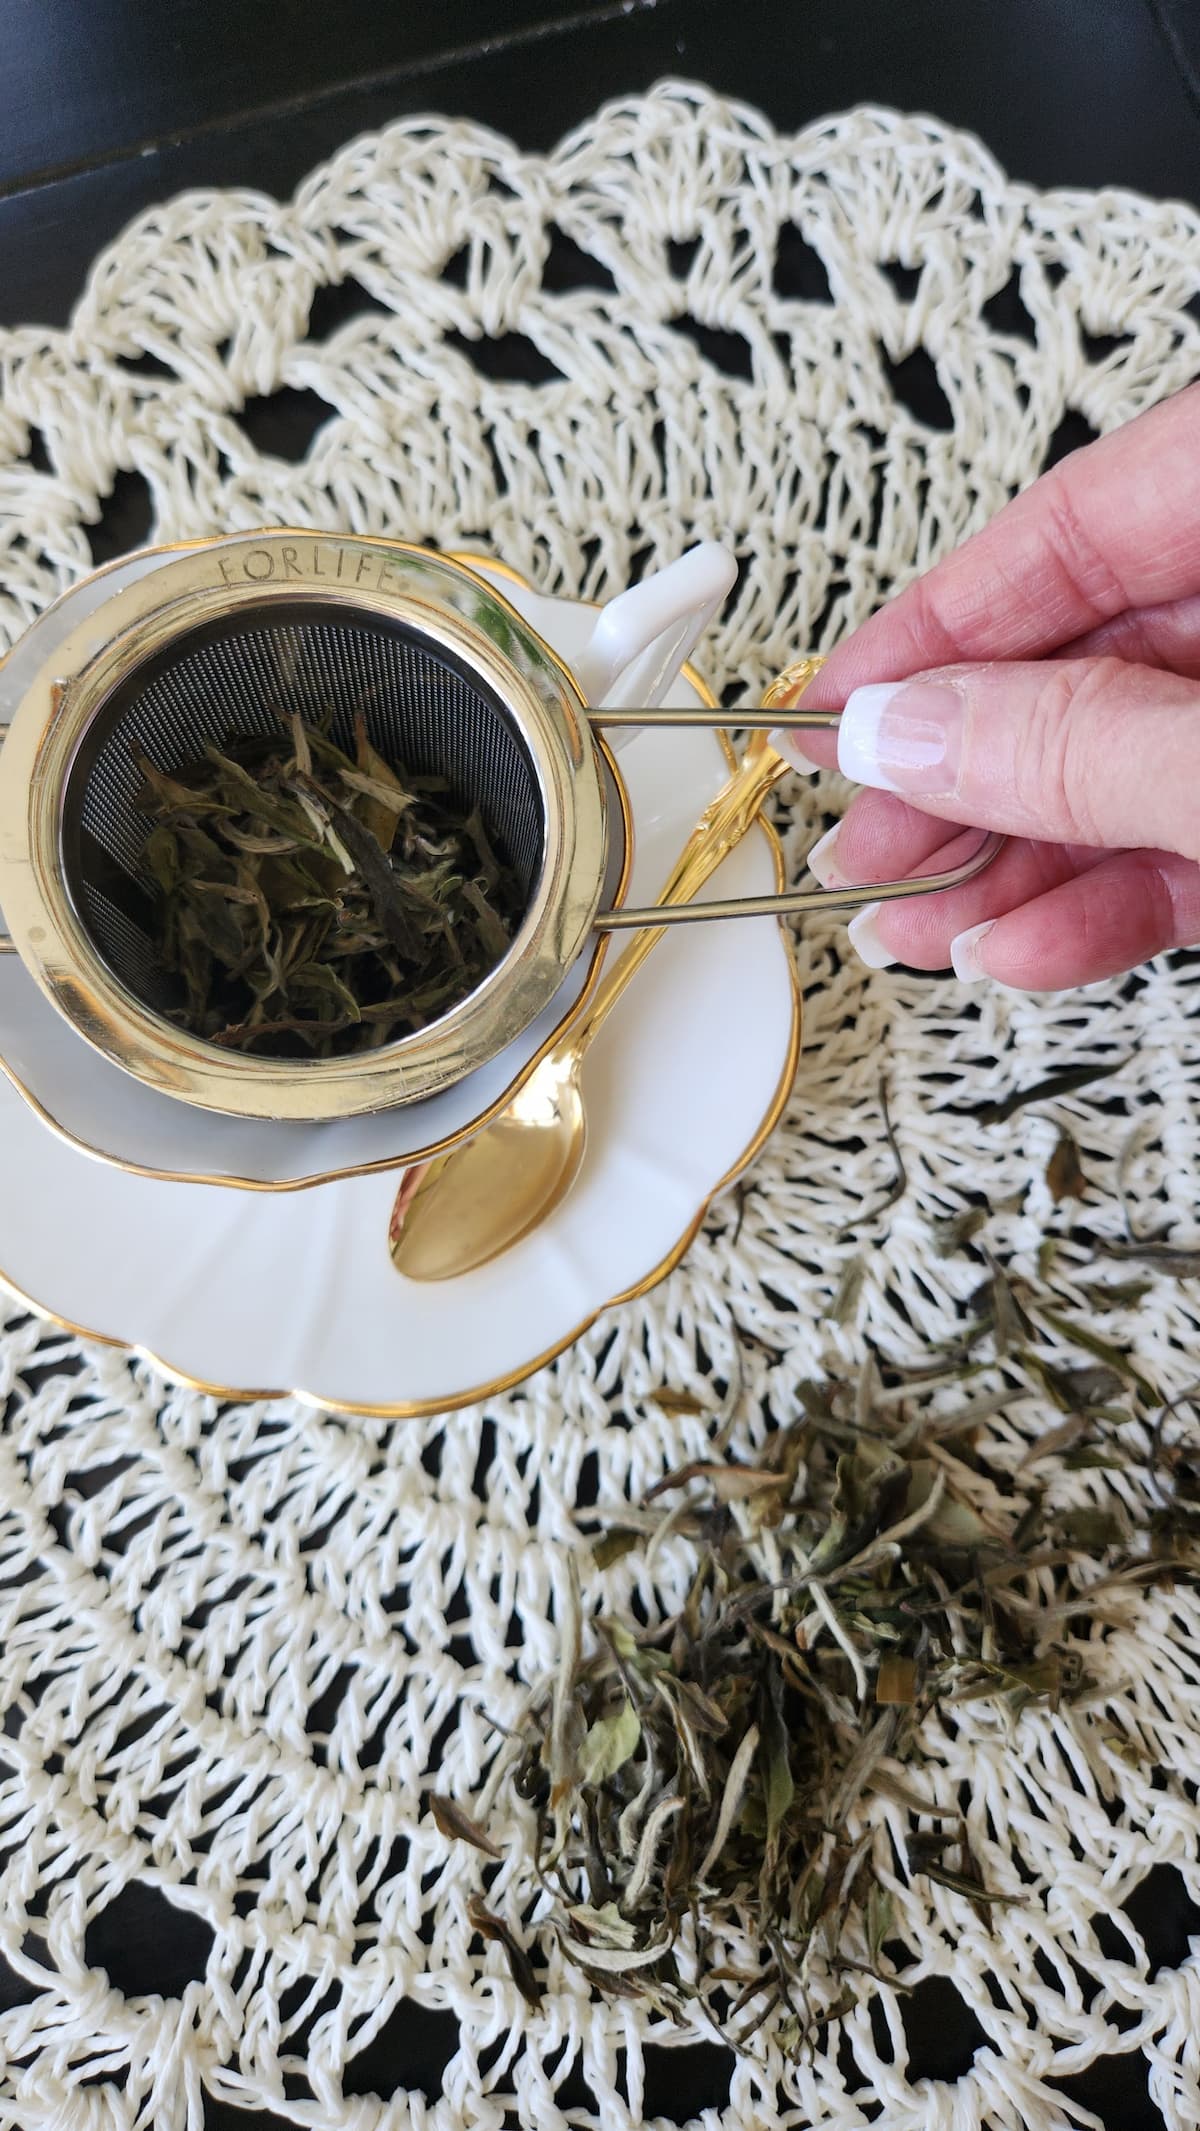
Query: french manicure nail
[
  {"x": 786, "y": 743},
  {"x": 964, "y": 952},
  {"x": 864, "y": 937},
  {"x": 821, "y": 861},
  {"x": 903, "y": 736}
]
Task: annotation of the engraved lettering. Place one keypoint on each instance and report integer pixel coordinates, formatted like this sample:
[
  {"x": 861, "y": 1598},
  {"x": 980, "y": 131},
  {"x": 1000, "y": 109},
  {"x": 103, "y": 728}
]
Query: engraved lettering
[
  {"x": 341, "y": 560},
  {"x": 364, "y": 565},
  {"x": 225, "y": 567},
  {"x": 387, "y": 569},
  {"x": 291, "y": 567},
  {"x": 316, "y": 562},
  {"x": 256, "y": 557}
]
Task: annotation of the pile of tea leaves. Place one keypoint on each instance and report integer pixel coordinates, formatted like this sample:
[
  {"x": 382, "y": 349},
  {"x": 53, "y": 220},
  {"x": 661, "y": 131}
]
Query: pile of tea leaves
[
  {"x": 313, "y": 903},
  {"x": 701, "y": 1782}
]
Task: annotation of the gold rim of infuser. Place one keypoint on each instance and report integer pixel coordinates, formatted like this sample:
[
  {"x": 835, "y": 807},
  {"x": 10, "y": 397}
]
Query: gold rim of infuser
[{"x": 153, "y": 613}]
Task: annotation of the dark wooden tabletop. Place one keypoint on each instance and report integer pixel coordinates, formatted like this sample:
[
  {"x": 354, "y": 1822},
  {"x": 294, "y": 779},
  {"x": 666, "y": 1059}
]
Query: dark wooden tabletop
[{"x": 107, "y": 106}]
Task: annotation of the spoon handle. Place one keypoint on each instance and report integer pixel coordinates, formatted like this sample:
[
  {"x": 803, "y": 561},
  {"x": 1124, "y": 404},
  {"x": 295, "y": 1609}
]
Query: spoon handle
[{"x": 722, "y": 825}]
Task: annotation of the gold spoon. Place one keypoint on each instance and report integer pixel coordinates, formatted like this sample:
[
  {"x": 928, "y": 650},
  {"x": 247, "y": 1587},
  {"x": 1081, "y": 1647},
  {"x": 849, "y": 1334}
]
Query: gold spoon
[{"x": 464, "y": 1208}]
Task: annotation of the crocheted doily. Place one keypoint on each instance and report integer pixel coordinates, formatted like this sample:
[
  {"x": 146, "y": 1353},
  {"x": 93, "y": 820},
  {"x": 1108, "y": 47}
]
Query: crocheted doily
[{"x": 236, "y": 1644}]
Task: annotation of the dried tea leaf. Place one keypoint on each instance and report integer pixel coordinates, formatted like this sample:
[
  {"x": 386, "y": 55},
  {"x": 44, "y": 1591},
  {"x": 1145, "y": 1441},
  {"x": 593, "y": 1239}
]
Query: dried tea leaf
[
  {"x": 674, "y": 1402},
  {"x": 702, "y": 1713},
  {"x": 849, "y": 1288},
  {"x": 899, "y": 1184},
  {"x": 1069, "y": 1082},
  {"x": 1091, "y": 1530},
  {"x": 1010, "y": 1325},
  {"x": 896, "y": 1682},
  {"x": 1055, "y": 1440},
  {"x": 956, "y": 1525},
  {"x": 730, "y": 1483},
  {"x": 492, "y": 930},
  {"x": 1164, "y": 1257},
  {"x": 458, "y": 1825},
  {"x": 696, "y": 1777},
  {"x": 601, "y": 1926},
  {"x": 956, "y": 1230},
  {"x": 613, "y": 1546},
  {"x": 966, "y": 1884},
  {"x": 779, "y": 1787},
  {"x": 1086, "y": 1390},
  {"x": 608, "y": 1744},
  {"x": 493, "y": 1927},
  {"x": 1117, "y": 1294},
  {"x": 1113, "y": 1357},
  {"x": 1065, "y": 1177}
]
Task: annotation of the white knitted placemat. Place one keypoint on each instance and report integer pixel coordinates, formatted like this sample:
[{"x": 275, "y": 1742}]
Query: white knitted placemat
[{"x": 236, "y": 1644}]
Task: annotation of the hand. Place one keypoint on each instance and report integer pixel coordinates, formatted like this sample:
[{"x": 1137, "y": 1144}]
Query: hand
[{"x": 1051, "y": 671}]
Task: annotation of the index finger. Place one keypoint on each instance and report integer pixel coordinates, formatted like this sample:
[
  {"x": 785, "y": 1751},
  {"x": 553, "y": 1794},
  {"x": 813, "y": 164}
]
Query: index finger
[{"x": 1112, "y": 527}]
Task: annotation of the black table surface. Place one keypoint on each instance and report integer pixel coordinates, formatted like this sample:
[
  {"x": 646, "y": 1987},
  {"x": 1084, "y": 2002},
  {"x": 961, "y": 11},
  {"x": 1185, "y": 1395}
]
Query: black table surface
[{"x": 107, "y": 106}]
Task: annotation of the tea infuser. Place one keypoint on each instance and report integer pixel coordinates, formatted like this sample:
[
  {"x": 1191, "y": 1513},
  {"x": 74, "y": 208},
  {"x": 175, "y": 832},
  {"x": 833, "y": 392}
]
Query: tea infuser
[{"x": 451, "y": 681}]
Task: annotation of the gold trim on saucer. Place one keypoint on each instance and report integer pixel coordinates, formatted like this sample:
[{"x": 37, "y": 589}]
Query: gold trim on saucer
[{"x": 423, "y": 1409}]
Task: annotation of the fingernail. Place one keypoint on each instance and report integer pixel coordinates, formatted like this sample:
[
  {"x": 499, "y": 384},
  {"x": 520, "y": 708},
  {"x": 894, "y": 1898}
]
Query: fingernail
[
  {"x": 787, "y": 744},
  {"x": 964, "y": 952},
  {"x": 903, "y": 736},
  {"x": 821, "y": 861},
  {"x": 863, "y": 935}
]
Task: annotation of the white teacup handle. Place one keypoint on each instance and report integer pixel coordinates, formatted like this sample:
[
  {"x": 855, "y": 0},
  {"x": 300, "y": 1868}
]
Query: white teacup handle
[{"x": 643, "y": 636}]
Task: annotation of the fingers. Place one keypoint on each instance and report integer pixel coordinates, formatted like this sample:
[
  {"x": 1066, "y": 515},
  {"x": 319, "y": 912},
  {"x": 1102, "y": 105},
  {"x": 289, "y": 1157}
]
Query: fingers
[
  {"x": 1113, "y": 527},
  {"x": 1042, "y": 917},
  {"x": 921, "y": 932},
  {"x": 1132, "y": 905},
  {"x": 1080, "y": 751},
  {"x": 879, "y": 838},
  {"x": 1167, "y": 635}
]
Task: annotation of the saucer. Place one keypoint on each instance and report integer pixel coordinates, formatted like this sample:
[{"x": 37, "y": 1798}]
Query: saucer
[{"x": 261, "y": 1294}]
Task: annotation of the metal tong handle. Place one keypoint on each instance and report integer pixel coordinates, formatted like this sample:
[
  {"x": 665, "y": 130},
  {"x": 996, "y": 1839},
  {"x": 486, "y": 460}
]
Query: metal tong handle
[{"x": 726, "y": 820}]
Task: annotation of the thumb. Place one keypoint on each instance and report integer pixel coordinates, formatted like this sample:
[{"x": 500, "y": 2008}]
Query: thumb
[{"x": 1075, "y": 751}]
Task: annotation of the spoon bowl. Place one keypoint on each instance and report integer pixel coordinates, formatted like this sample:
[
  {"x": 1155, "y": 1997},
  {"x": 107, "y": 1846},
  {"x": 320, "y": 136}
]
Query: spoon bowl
[{"x": 451, "y": 1216}]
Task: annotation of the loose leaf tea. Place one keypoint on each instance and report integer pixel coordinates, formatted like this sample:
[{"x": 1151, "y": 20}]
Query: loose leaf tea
[
  {"x": 695, "y": 1781},
  {"x": 1164, "y": 1257},
  {"x": 1069, "y": 1082},
  {"x": 899, "y": 1184},
  {"x": 1065, "y": 1173},
  {"x": 696, "y": 1785},
  {"x": 451, "y": 1820},
  {"x": 312, "y": 903}
]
